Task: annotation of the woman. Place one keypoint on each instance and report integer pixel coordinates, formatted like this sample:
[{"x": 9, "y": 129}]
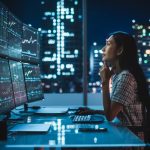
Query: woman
[{"x": 129, "y": 88}]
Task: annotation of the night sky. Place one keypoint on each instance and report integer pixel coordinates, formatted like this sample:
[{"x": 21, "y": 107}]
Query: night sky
[{"x": 104, "y": 16}]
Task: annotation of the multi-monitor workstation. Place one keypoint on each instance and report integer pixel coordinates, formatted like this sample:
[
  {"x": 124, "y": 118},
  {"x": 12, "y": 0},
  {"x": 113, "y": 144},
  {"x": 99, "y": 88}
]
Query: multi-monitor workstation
[{"x": 20, "y": 81}]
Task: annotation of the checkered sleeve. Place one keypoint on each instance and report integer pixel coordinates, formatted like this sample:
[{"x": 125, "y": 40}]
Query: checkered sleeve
[{"x": 124, "y": 90}]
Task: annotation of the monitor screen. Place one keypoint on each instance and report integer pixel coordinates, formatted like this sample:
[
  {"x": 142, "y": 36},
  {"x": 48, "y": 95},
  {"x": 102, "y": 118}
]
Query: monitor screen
[
  {"x": 30, "y": 44},
  {"x": 14, "y": 34},
  {"x": 33, "y": 82},
  {"x": 6, "y": 91},
  {"x": 3, "y": 27},
  {"x": 18, "y": 83}
]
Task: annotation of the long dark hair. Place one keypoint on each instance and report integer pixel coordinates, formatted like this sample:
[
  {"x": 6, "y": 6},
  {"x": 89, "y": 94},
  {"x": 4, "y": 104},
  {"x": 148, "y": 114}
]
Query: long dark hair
[{"x": 128, "y": 60}]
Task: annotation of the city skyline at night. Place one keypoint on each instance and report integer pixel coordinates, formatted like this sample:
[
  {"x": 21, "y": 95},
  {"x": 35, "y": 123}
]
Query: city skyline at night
[
  {"x": 95, "y": 62},
  {"x": 59, "y": 59},
  {"x": 61, "y": 45},
  {"x": 142, "y": 37},
  {"x": 103, "y": 17}
]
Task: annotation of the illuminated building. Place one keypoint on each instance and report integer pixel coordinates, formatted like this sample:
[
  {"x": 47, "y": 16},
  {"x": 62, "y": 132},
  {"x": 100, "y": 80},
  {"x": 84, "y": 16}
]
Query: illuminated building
[
  {"x": 61, "y": 45},
  {"x": 95, "y": 63},
  {"x": 142, "y": 36}
]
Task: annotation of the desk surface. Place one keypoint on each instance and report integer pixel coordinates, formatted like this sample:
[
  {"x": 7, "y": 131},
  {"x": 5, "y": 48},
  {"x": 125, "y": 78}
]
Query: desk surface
[{"x": 63, "y": 133}]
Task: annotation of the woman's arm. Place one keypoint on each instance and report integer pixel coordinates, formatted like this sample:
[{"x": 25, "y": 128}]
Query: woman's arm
[{"x": 111, "y": 109}]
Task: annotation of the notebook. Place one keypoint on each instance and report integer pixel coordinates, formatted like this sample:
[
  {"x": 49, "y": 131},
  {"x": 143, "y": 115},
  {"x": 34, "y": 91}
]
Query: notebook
[{"x": 37, "y": 128}]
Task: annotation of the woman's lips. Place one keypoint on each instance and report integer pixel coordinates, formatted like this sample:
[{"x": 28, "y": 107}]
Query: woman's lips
[{"x": 103, "y": 57}]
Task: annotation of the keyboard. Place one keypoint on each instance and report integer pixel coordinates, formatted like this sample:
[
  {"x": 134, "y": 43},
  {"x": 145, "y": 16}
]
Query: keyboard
[{"x": 91, "y": 119}]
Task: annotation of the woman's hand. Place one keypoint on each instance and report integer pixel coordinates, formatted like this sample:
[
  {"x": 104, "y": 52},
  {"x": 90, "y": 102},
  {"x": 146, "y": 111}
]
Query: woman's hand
[{"x": 105, "y": 73}]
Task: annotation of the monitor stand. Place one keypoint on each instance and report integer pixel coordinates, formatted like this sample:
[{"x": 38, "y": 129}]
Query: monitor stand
[{"x": 28, "y": 110}]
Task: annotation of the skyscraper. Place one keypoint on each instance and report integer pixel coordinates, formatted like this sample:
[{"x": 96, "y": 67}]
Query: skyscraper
[
  {"x": 142, "y": 36},
  {"x": 61, "y": 45},
  {"x": 95, "y": 62}
]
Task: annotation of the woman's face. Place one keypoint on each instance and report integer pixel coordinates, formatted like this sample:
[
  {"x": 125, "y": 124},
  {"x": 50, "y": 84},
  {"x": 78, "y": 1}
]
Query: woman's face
[{"x": 109, "y": 50}]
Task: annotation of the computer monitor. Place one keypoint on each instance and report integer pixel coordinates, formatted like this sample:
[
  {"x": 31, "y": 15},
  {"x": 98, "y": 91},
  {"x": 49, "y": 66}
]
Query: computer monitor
[
  {"x": 30, "y": 45},
  {"x": 14, "y": 35},
  {"x": 3, "y": 27},
  {"x": 18, "y": 83},
  {"x": 6, "y": 91},
  {"x": 33, "y": 82}
]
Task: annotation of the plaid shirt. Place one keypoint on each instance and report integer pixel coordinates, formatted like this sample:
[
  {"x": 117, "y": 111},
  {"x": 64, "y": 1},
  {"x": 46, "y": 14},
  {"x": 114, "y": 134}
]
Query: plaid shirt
[{"x": 124, "y": 91}]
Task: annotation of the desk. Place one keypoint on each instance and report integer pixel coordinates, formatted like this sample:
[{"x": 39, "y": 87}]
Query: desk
[{"x": 63, "y": 134}]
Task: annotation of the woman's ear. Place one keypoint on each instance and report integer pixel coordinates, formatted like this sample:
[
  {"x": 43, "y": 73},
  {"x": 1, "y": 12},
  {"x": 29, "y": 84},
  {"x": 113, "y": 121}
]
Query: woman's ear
[{"x": 120, "y": 51}]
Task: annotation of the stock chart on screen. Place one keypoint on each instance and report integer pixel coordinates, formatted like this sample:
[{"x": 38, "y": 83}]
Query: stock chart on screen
[
  {"x": 3, "y": 28},
  {"x": 18, "y": 83},
  {"x": 6, "y": 91},
  {"x": 30, "y": 44},
  {"x": 33, "y": 82},
  {"x": 14, "y": 35}
]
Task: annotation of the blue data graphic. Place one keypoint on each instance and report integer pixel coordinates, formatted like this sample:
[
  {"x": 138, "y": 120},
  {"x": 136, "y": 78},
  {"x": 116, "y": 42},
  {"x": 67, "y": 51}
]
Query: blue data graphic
[
  {"x": 14, "y": 35},
  {"x": 30, "y": 44},
  {"x": 3, "y": 27},
  {"x": 6, "y": 91},
  {"x": 33, "y": 82},
  {"x": 18, "y": 83}
]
